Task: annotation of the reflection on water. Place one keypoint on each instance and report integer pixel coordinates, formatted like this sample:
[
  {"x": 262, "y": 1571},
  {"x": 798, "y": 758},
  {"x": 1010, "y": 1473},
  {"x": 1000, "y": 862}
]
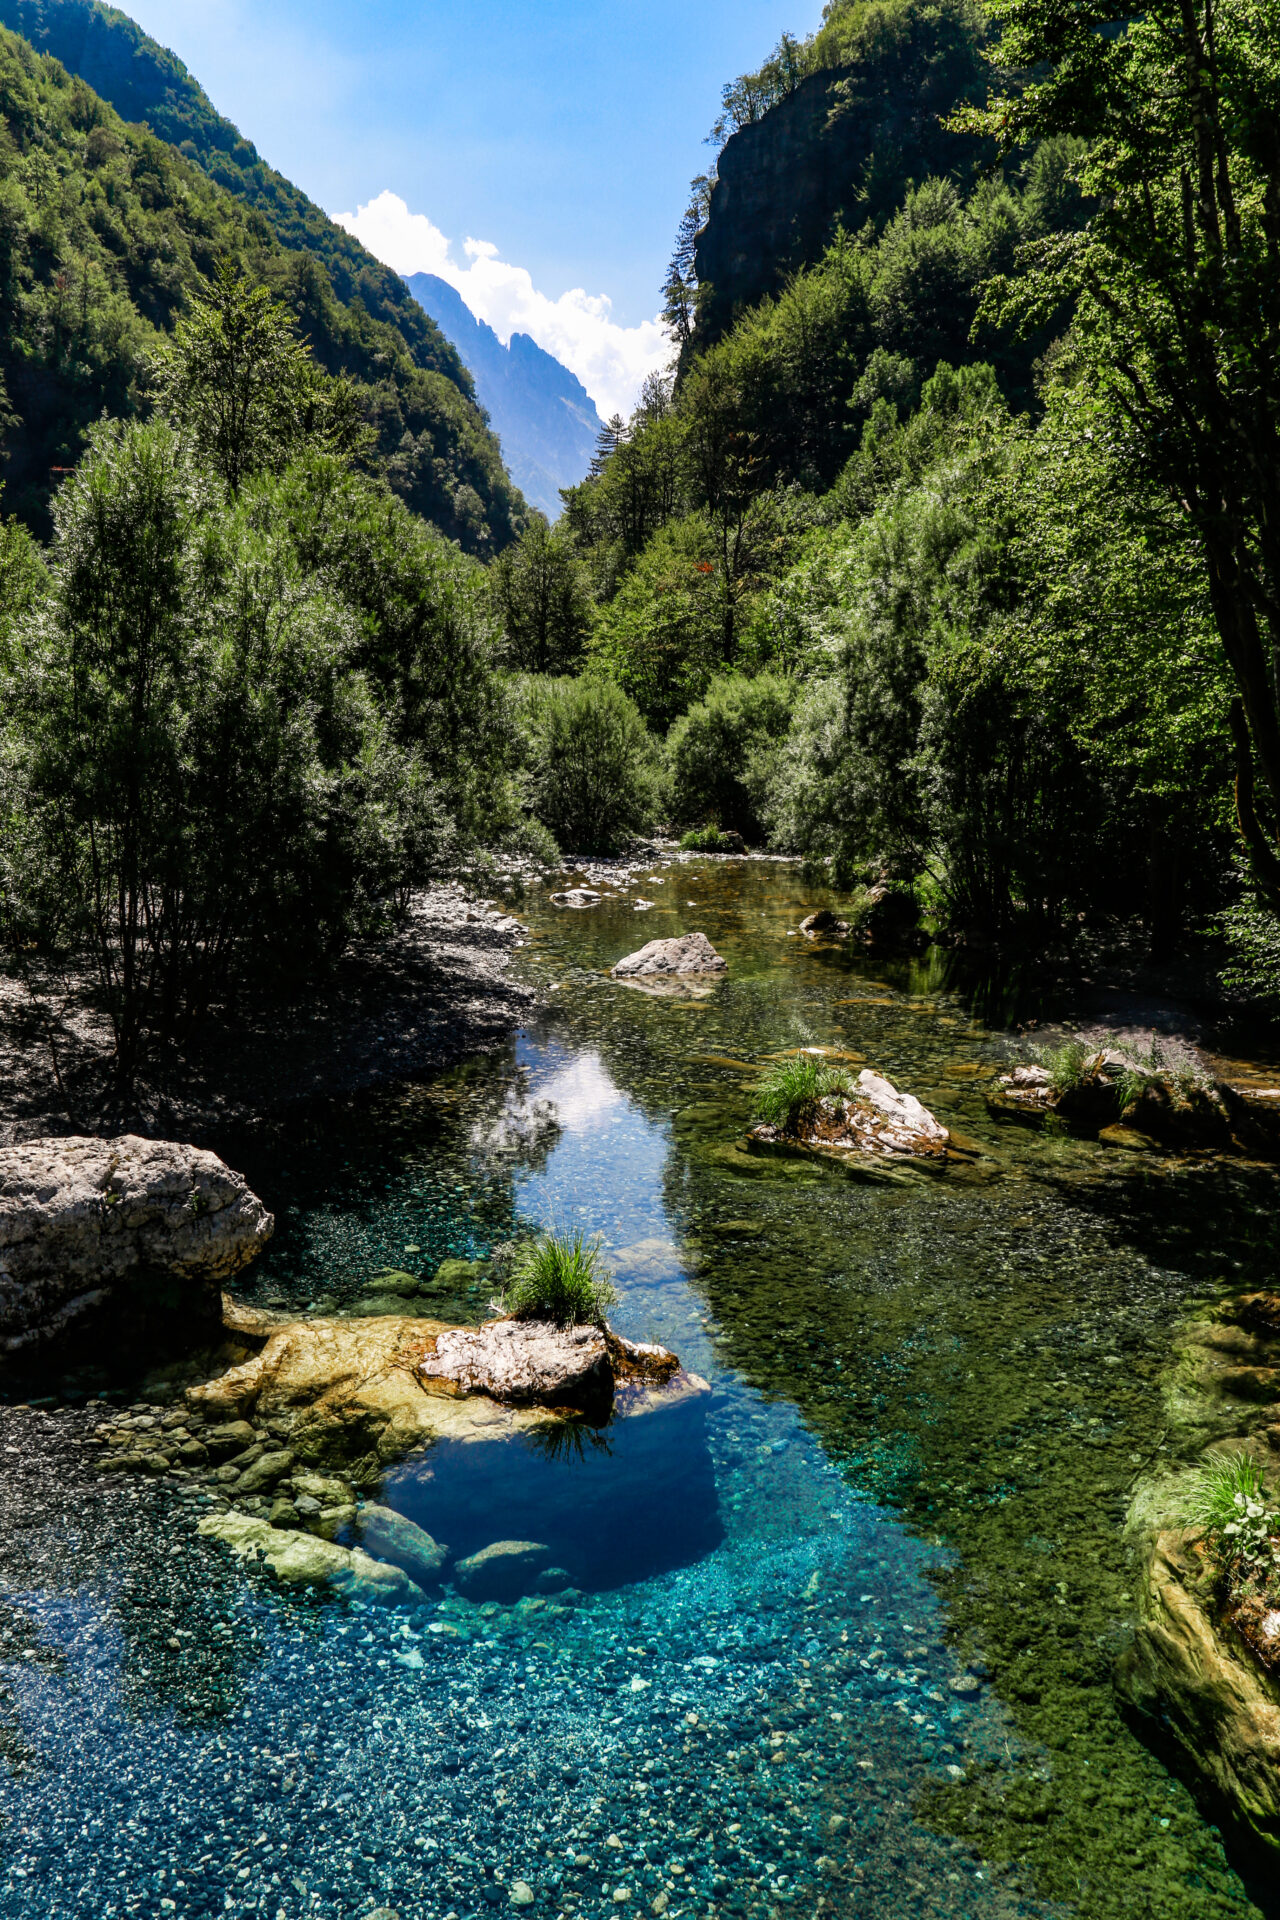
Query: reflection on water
[{"x": 763, "y": 1693}]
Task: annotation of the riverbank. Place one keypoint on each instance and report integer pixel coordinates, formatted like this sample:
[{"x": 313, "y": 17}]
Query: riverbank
[{"x": 434, "y": 987}]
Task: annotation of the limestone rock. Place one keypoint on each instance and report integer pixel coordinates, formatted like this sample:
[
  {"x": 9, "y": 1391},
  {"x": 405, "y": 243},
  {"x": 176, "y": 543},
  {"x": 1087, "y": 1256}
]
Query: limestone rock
[
  {"x": 1223, "y": 1711},
  {"x": 871, "y": 1117},
  {"x": 523, "y": 1360},
  {"x": 689, "y": 953},
  {"x": 501, "y": 1571},
  {"x": 140, "y": 1229},
  {"x": 300, "y": 1559},
  {"x": 391, "y": 1537},
  {"x": 577, "y": 897},
  {"x": 351, "y": 1392}
]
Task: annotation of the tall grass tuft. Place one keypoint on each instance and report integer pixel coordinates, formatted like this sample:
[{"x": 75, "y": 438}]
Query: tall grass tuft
[
  {"x": 561, "y": 1278},
  {"x": 1068, "y": 1065},
  {"x": 791, "y": 1089}
]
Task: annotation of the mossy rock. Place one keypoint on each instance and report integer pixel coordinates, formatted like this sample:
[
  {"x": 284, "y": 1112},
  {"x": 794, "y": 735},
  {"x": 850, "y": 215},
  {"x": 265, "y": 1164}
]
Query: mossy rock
[{"x": 459, "y": 1276}]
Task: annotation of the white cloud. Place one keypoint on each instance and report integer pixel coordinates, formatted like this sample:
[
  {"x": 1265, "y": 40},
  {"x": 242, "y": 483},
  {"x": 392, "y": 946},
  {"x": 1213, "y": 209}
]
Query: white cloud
[{"x": 610, "y": 360}]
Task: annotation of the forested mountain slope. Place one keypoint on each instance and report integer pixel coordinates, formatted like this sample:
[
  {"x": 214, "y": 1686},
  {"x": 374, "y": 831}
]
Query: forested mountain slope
[
  {"x": 169, "y": 212},
  {"x": 543, "y": 415}
]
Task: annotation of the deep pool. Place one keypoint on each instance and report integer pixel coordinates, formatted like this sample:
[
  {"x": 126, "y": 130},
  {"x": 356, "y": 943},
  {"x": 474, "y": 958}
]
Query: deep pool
[{"x": 838, "y": 1638}]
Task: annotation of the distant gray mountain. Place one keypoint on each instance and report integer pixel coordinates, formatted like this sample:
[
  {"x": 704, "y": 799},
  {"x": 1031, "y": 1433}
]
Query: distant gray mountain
[{"x": 542, "y": 413}]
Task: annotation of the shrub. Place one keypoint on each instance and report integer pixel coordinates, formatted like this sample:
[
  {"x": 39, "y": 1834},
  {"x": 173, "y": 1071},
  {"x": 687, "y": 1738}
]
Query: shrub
[
  {"x": 1068, "y": 1065},
  {"x": 791, "y": 1089},
  {"x": 559, "y": 1277},
  {"x": 1227, "y": 1505},
  {"x": 592, "y": 767},
  {"x": 710, "y": 749},
  {"x": 707, "y": 840}
]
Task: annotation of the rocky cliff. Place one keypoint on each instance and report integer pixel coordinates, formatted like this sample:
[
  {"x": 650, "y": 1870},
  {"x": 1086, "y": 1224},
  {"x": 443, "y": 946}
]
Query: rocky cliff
[{"x": 840, "y": 150}]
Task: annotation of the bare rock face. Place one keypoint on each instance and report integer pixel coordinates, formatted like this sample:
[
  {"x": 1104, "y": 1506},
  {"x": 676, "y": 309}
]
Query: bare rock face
[
  {"x": 689, "y": 953},
  {"x": 524, "y": 1360},
  {"x": 139, "y": 1228}
]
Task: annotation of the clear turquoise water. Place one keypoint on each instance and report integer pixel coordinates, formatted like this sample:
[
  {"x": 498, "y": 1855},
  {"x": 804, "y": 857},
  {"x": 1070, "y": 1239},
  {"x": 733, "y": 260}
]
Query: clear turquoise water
[{"x": 929, "y": 1397}]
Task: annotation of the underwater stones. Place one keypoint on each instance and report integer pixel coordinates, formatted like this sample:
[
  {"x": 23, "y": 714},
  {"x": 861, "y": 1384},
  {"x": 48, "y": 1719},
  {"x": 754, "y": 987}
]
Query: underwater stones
[
  {"x": 578, "y": 897},
  {"x": 138, "y": 1230},
  {"x": 300, "y": 1559},
  {"x": 1183, "y": 1674},
  {"x": 824, "y": 921},
  {"x": 689, "y": 953},
  {"x": 523, "y": 1360},
  {"x": 502, "y": 1571},
  {"x": 391, "y": 1537}
]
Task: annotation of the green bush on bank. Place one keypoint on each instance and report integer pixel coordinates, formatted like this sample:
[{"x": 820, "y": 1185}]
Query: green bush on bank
[
  {"x": 592, "y": 770},
  {"x": 714, "y": 750}
]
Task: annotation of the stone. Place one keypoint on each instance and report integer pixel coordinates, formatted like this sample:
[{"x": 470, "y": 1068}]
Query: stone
[
  {"x": 141, "y": 1231},
  {"x": 264, "y": 1472},
  {"x": 522, "y": 1894},
  {"x": 232, "y": 1438},
  {"x": 389, "y": 1536},
  {"x": 300, "y": 1559},
  {"x": 352, "y": 1390},
  {"x": 872, "y": 1117},
  {"x": 503, "y": 1571},
  {"x": 523, "y": 1360},
  {"x": 283, "y": 1513},
  {"x": 824, "y": 921},
  {"x": 689, "y": 953},
  {"x": 1182, "y": 1674},
  {"x": 322, "y": 1490},
  {"x": 576, "y": 897},
  {"x": 552, "y": 1580}
]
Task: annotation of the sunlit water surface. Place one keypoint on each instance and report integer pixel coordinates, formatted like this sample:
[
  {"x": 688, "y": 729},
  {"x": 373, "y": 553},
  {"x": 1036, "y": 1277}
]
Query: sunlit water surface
[{"x": 839, "y": 1636}]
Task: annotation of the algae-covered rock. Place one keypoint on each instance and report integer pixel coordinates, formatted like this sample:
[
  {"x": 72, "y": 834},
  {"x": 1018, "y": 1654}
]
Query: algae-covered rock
[
  {"x": 300, "y": 1559},
  {"x": 1184, "y": 1673},
  {"x": 391, "y": 1537}
]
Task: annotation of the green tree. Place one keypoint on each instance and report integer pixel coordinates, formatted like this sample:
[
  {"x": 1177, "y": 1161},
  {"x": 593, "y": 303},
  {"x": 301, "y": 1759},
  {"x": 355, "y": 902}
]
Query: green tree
[
  {"x": 541, "y": 600},
  {"x": 1177, "y": 295},
  {"x": 712, "y": 749},
  {"x": 240, "y": 385}
]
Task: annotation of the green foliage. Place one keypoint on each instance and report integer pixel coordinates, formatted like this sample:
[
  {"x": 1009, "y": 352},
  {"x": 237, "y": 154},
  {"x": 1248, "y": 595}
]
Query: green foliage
[
  {"x": 1226, "y": 1504},
  {"x": 215, "y": 785},
  {"x": 561, "y": 1278},
  {"x": 240, "y": 386},
  {"x": 1252, "y": 971},
  {"x": 541, "y": 600},
  {"x": 790, "y": 1090},
  {"x": 1177, "y": 303},
  {"x": 1069, "y": 1065},
  {"x": 592, "y": 768},
  {"x": 706, "y": 840},
  {"x": 106, "y": 237},
  {"x": 714, "y": 749}
]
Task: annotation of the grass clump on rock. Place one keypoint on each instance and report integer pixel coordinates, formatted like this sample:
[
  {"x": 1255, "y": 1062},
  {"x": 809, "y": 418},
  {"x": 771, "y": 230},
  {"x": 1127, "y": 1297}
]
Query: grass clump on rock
[
  {"x": 561, "y": 1278},
  {"x": 791, "y": 1089}
]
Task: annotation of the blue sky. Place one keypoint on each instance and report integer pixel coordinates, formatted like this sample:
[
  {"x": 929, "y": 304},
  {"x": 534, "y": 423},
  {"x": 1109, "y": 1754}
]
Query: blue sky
[{"x": 559, "y": 136}]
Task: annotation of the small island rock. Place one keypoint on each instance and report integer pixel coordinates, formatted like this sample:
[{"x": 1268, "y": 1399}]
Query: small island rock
[
  {"x": 689, "y": 953},
  {"x": 523, "y": 1360}
]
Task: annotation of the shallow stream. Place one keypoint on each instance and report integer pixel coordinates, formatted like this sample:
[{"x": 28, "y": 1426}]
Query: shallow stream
[{"x": 838, "y": 1638}]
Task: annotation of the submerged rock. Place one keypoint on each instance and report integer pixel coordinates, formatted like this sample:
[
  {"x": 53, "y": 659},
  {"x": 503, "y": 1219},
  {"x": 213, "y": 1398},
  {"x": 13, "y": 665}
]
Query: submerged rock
[
  {"x": 301, "y": 1559},
  {"x": 391, "y": 1537},
  {"x": 145, "y": 1231},
  {"x": 577, "y": 897},
  {"x": 502, "y": 1571},
  {"x": 689, "y": 953}
]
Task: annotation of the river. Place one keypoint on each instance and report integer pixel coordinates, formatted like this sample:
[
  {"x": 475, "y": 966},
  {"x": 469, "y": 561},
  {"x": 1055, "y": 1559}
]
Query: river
[{"x": 839, "y": 1636}]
